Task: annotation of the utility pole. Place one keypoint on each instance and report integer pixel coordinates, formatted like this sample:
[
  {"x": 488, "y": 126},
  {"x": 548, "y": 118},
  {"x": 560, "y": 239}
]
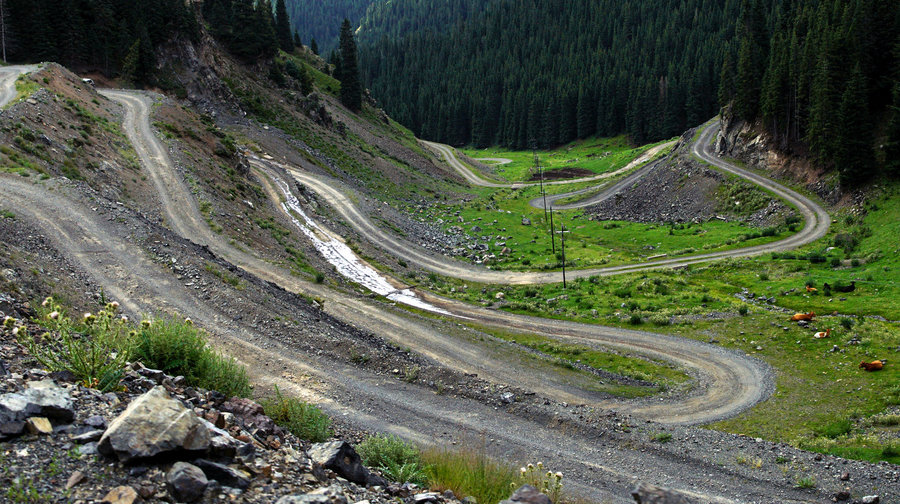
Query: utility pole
[
  {"x": 3, "y": 27},
  {"x": 537, "y": 164},
  {"x": 552, "y": 232},
  {"x": 562, "y": 238}
]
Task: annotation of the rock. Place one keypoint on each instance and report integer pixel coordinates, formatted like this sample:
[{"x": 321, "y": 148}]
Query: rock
[
  {"x": 469, "y": 500},
  {"x": 87, "y": 437},
  {"x": 845, "y": 476},
  {"x": 500, "y": 296},
  {"x": 526, "y": 221},
  {"x": 870, "y": 499},
  {"x": 475, "y": 229},
  {"x": 508, "y": 397},
  {"x": 96, "y": 421},
  {"x": 328, "y": 495},
  {"x": 426, "y": 497},
  {"x": 50, "y": 402},
  {"x": 186, "y": 482},
  {"x": 76, "y": 478},
  {"x": 841, "y": 496},
  {"x": 225, "y": 475},
  {"x": 341, "y": 458},
  {"x": 38, "y": 425},
  {"x": 649, "y": 494},
  {"x": 154, "y": 424},
  {"x": 527, "y": 494},
  {"x": 122, "y": 495}
]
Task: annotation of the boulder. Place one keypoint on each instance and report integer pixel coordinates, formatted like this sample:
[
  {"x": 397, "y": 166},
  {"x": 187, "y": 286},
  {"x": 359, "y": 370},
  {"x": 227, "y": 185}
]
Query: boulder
[
  {"x": 152, "y": 425},
  {"x": 186, "y": 482},
  {"x": 527, "y": 494},
  {"x": 50, "y": 402},
  {"x": 122, "y": 495},
  {"x": 526, "y": 221},
  {"x": 341, "y": 458},
  {"x": 38, "y": 425},
  {"x": 650, "y": 494},
  {"x": 225, "y": 475}
]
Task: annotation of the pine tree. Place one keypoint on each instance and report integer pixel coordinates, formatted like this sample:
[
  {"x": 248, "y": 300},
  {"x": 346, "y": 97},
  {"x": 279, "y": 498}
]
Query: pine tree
[
  {"x": 853, "y": 154},
  {"x": 351, "y": 90},
  {"x": 726, "y": 81},
  {"x": 283, "y": 27},
  {"x": 892, "y": 145},
  {"x": 314, "y": 47}
]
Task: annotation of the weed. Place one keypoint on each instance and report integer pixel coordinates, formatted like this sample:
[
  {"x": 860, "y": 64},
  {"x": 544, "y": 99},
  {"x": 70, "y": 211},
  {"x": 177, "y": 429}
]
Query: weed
[
  {"x": 662, "y": 437},
  {"x": 398, "y": 460},
  {"x": 806, "y": 482},
  {"x": 300, "y": 418},
  {"x": 469, "y": 472},
  {"x": 411, "y": 374},
  {"x": 179, "y": 348},
  {"x": 548, "y": 483}
]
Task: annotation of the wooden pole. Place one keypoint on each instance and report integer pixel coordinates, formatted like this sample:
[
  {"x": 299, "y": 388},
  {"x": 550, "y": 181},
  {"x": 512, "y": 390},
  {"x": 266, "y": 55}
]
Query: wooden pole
[
  {"x": 562, "y": 238},
  {"x": 552, "y": 232}
]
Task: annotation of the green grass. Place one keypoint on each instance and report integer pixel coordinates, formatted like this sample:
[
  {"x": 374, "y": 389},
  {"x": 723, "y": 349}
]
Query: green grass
[
  {"x": 661, "y": 375},
  {"x": 300, "y": 418},
  {"x": 469, "y": 472},
  {"x": 589, "y": 243},
  {"x": 179, "y": 348},
  {"x": 597, "y": 155},
  {"x": 399, "y": 460}
]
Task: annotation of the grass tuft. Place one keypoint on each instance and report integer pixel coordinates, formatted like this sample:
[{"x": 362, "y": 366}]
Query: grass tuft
[
  {"x": 398, "y": 460},
  {"x": 469, "y": 472},
  {"x": 300, "y": 418}
]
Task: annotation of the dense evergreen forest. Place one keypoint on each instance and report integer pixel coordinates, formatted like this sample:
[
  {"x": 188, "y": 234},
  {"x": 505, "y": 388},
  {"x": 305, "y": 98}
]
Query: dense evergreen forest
[
  {"x": 822, "y": 76},
  {"x": 321, "y": 20},
  {"x": 121, "y": 37},
  {"x": 525, "y": 73},
  {"x": 107, "y": 35}
]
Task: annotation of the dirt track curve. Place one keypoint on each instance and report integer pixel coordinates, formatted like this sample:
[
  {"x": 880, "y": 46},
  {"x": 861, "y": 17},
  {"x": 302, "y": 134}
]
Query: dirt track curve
[{"x": 731, "y": 381}]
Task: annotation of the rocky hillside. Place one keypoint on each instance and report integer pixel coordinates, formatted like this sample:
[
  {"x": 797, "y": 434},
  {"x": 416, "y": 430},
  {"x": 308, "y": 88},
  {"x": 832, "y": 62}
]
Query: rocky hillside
[{"x": 686, "y": 190}]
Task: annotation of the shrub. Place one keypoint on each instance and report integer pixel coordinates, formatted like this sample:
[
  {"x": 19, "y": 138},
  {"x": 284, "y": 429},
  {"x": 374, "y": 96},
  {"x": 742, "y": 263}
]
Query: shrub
[
  {"x": 847, "y": 323},
  {"x": 94, "y": 351},
  {"x": 742, "y": 309},
  {"x": 835, "y": 262},
  {"x": 816, "y": 258},
  {"x": 469, "y": 473},
  {"x": 300, "y": 418},
  {"x": 398, "y": 460},
  {"x": 836, "y": 429},
  {"x": 179, "y": 348},
  {"x": 635, "y": 319},
  {"x": 547, "y": 482},
  {"x": 662, "y": 437}
]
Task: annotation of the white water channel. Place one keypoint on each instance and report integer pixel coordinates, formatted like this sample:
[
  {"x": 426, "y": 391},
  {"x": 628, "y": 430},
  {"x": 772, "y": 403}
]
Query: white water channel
[{"x": 345, "y": 260}]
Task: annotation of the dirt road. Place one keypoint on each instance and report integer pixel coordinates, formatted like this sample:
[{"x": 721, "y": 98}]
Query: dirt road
[
  {"x": 598, "y": 466},
  {"x": 8, "y": 76}
]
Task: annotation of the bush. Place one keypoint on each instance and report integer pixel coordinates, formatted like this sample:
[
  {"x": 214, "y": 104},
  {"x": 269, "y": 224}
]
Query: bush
[
  {"x": 835, "y": 429},
  {"x": 816, "y": 258},
  {"x": 635, "y": 319},
  {"x": 469, "y": 473},
  {"x": 743, "y": 310},
  {"x": 300, "y": 418},
  {"x": 178, "y": 348},
  {"x": 835, "y": 262},
  {"x": 94, "y": 351},
  {"x": 847, "y": 323},
  {"x": 398, "y": 460}
]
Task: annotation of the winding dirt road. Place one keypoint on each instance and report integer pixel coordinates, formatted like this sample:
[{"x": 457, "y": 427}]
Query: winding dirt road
[
  {"x": 8, "y": 76},
  {"x": 731, "y": 381}
]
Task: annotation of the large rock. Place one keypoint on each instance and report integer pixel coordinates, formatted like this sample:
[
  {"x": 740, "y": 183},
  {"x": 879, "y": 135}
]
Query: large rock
[
  {"x": 50, "y": 402},
  {"x": 649, "y": 494},
  {"x": 341, "y": 458},
  {"x": 225, "y": 475},
  {"x": 527, "y": 494},
  {"x": 186, "y": 482},
  {"x": 152, "y": 425}
]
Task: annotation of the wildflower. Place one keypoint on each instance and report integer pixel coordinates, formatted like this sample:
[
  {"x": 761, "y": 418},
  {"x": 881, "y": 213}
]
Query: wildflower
[
  {"x": 47, "y": 301},
  {"x": 145, "y": 323},
  {"x": 89, "y": 318},
  {"x": 114, "y": 305},
  {"x": 9, "y": 321},
  {"x": 15, "y": 331},
  {"x": 188, "y": 321},
  {"x": 558, "y": 475},
  {"x": 54, "y": 315},
  {"x": 132, "y": 334},
  {"x": 530, "y": 467},
  {"x": 523, "y": 471},
  {"x": 540, "y": 465},
  {"x": 124, "y": 319}
]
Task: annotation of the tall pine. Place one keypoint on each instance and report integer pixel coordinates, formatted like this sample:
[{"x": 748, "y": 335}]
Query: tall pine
[
  {"x": 853, "y": 154},
  {"x": 283, "y": 27},
  {"x": 351, "y": 89}
]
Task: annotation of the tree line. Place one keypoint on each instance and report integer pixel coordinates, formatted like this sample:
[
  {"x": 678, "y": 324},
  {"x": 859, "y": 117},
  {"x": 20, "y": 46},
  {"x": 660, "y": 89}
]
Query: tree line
[
  {"x": 318, "y": 23},
  {"x": 530, "y": 73},
  {"x": 822, "y": 77},
  {"x": 120, "y": 37}
]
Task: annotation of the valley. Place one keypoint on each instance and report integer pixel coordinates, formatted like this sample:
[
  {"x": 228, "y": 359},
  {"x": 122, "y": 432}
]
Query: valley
[{"x": 586, "y": 423}]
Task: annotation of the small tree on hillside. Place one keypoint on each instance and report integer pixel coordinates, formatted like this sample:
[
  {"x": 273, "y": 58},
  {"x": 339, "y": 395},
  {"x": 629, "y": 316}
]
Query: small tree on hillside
[
  {"x": 351, "y": 89},
  {"x": 283, "y": 27}
]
